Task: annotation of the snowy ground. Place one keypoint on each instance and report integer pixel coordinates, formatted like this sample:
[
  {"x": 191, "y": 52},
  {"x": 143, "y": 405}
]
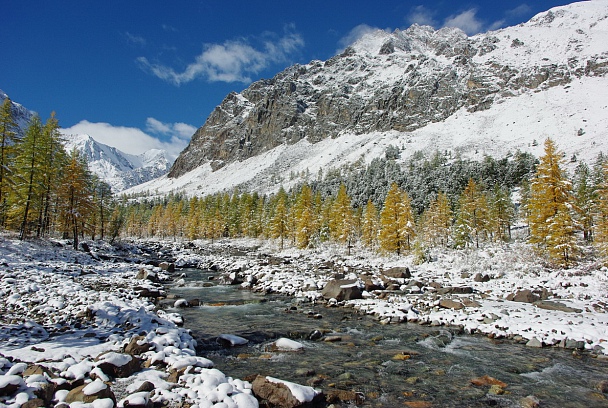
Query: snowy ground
[
  {"x": 65, "y": 319},
  {"x": 68, "y": 315}
]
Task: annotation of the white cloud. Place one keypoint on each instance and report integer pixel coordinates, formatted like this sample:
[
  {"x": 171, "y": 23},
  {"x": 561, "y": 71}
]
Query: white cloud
[
  {"x": 135, "y": 39},
  {"x": 355, "y": 34},
  {"x": 422, "y": 16},
  {"x": 232, "y": 61},
  {"x": 172, "y": 137},
  {"x": 468, "y": 22}
]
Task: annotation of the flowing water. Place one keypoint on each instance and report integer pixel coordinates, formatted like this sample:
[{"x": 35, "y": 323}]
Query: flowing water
[{"x": 388, "y": 365}]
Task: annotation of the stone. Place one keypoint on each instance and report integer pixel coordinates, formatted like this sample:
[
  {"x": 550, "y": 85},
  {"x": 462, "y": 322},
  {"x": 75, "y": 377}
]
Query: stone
[
  {"x": 524, "y": 296},
  {"x": 332, "y": 339},
  {"x": 551, "y": 305},
  {"x": 118, "y": 365},
  {"x": 481, "y": 278},
  {"x": 342, "y": 290},
  {"x": 335, "y": 396},
  {"x": 487, "y": 380},
  {"x": 137, "y": 346},
  {"x": 34, "y": 403},
  {"x": 146, "y": 386},
  {"x": 10, "y": 384},
  {"x": 167, "y": 266},
  {"x": 418, "y": 404},
  {"x": 602, "y": 386},
  {"x": 450, "y": 304},
  {"x": 277, "y": 394},
  {"x": 534, "y": 342},
  {"x": 34, "y": 369},
  {"x": 530, "y": 402},
  {"x": 398, "y": 272},
  {"x": 82, "y": 393}
]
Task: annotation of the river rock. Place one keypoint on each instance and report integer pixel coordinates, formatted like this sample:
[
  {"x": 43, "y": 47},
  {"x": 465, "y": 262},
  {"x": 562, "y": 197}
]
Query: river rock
[
  {"x": 524, "y": 296},
  {"x": 9, "y": 384},
  {"x": 450, "y": 304},
  {"x": 334, "y": 396},
  {"x": 342, "y": 290},
  {"x": 281, "y": 393},
  {"x": 118, "y": 365},
  {"x": 137, "y": 346},
  {"x": 90, "y": 392},
  {"x": 486, "y": 380},
  {"x": 167, "y": 266},
  {"x": 398, "y": 272},
  {"x": 530, "y": 402},
  {"x": 550, "y": 305},
  {"x": 481, "y": 278},
  {"x": 602, "y": 386},
  {"x": 534, "y": 342},
  {"x": 34, "y": 403}
]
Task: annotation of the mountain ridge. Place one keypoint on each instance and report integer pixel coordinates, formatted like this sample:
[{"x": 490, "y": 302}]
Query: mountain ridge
[
  {"x": 120, "y": 170},
  {"x": 402, "y": 81}
]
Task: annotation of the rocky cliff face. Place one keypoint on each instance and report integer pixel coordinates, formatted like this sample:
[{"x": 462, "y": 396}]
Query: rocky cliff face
[{"x": 402, "y": 81}]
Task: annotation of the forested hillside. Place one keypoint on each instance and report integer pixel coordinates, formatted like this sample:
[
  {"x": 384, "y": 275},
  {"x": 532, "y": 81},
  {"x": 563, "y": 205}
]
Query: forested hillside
[{"x": 430, "y": 202}]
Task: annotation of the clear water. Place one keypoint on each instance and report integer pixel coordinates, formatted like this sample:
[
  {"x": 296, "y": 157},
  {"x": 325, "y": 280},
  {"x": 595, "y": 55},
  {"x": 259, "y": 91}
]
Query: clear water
[{"x": 366, "y": 359}]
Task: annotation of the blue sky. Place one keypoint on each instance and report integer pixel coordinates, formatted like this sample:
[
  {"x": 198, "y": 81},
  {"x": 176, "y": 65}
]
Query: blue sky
[{"x": 145, "y": 74}]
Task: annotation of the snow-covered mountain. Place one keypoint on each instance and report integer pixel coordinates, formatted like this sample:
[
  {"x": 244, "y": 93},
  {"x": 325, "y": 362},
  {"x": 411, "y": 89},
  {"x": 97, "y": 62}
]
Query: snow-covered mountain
[
  {"x": 120, "y": 170},
  {"x": 21, "y": 114},
  {"x": 417, "y": 89}
]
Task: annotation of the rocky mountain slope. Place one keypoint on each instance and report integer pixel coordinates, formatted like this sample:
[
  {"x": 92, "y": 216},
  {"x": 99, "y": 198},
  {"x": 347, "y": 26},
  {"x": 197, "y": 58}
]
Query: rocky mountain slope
[
  {"x": 21, "y": 114},
  {"x": 120, "y": 170},
  {"x": 418, "y": 89}
]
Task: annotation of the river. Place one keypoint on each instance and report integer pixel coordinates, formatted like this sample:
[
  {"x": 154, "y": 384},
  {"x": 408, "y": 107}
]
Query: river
[{"x": 387, "y": 365}]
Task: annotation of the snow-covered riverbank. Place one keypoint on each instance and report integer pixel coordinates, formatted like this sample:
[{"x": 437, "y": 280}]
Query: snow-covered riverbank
[
  {"x": 81, "y": 328},
  {"x": 75, "y": 329},
  {"x": 500, "y": 291}
]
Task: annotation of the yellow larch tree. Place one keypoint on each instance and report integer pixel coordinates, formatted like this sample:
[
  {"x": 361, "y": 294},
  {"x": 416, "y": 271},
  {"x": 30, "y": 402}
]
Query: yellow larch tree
[{"x": 550, "y": 208}]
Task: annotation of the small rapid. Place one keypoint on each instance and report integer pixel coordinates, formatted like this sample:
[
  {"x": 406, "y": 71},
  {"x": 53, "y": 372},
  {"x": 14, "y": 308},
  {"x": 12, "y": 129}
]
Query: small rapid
[{"x": 385, "y": 365}]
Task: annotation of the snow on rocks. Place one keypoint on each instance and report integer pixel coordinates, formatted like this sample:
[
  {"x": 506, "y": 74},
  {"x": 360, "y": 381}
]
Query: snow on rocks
[
  {"x": 71, "y": 324},
  {"x": 500, "y": 291}
]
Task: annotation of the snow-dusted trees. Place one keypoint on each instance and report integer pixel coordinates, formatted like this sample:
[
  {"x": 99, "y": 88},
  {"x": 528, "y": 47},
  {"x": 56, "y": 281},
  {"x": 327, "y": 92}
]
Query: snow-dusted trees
[
  {"x": 29, "y": 180},
  {"x": 279, "y": 222},
  {"x": 341, "y": 216},
  {"x": 8, "y": 139},
  {"x": 601, "y": 213},
  {"x": 75, "y": 198},
  {"x": 397, "y": 225},
  {"x": 550, "y": 207},
  {"x": 436, "y": 222},
  {"x": 473, "y": 218},
  {"x": 369, "y": 225}
]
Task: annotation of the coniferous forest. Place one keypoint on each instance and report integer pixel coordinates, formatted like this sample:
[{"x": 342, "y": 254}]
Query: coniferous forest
[{"x": 392, "y": 206}]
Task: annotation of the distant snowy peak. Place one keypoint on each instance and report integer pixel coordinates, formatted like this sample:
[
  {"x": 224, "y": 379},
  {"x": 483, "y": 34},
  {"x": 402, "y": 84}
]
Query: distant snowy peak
[
  {"x": 21, "y": 114},
  {"x": 120, "y": 170}
]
